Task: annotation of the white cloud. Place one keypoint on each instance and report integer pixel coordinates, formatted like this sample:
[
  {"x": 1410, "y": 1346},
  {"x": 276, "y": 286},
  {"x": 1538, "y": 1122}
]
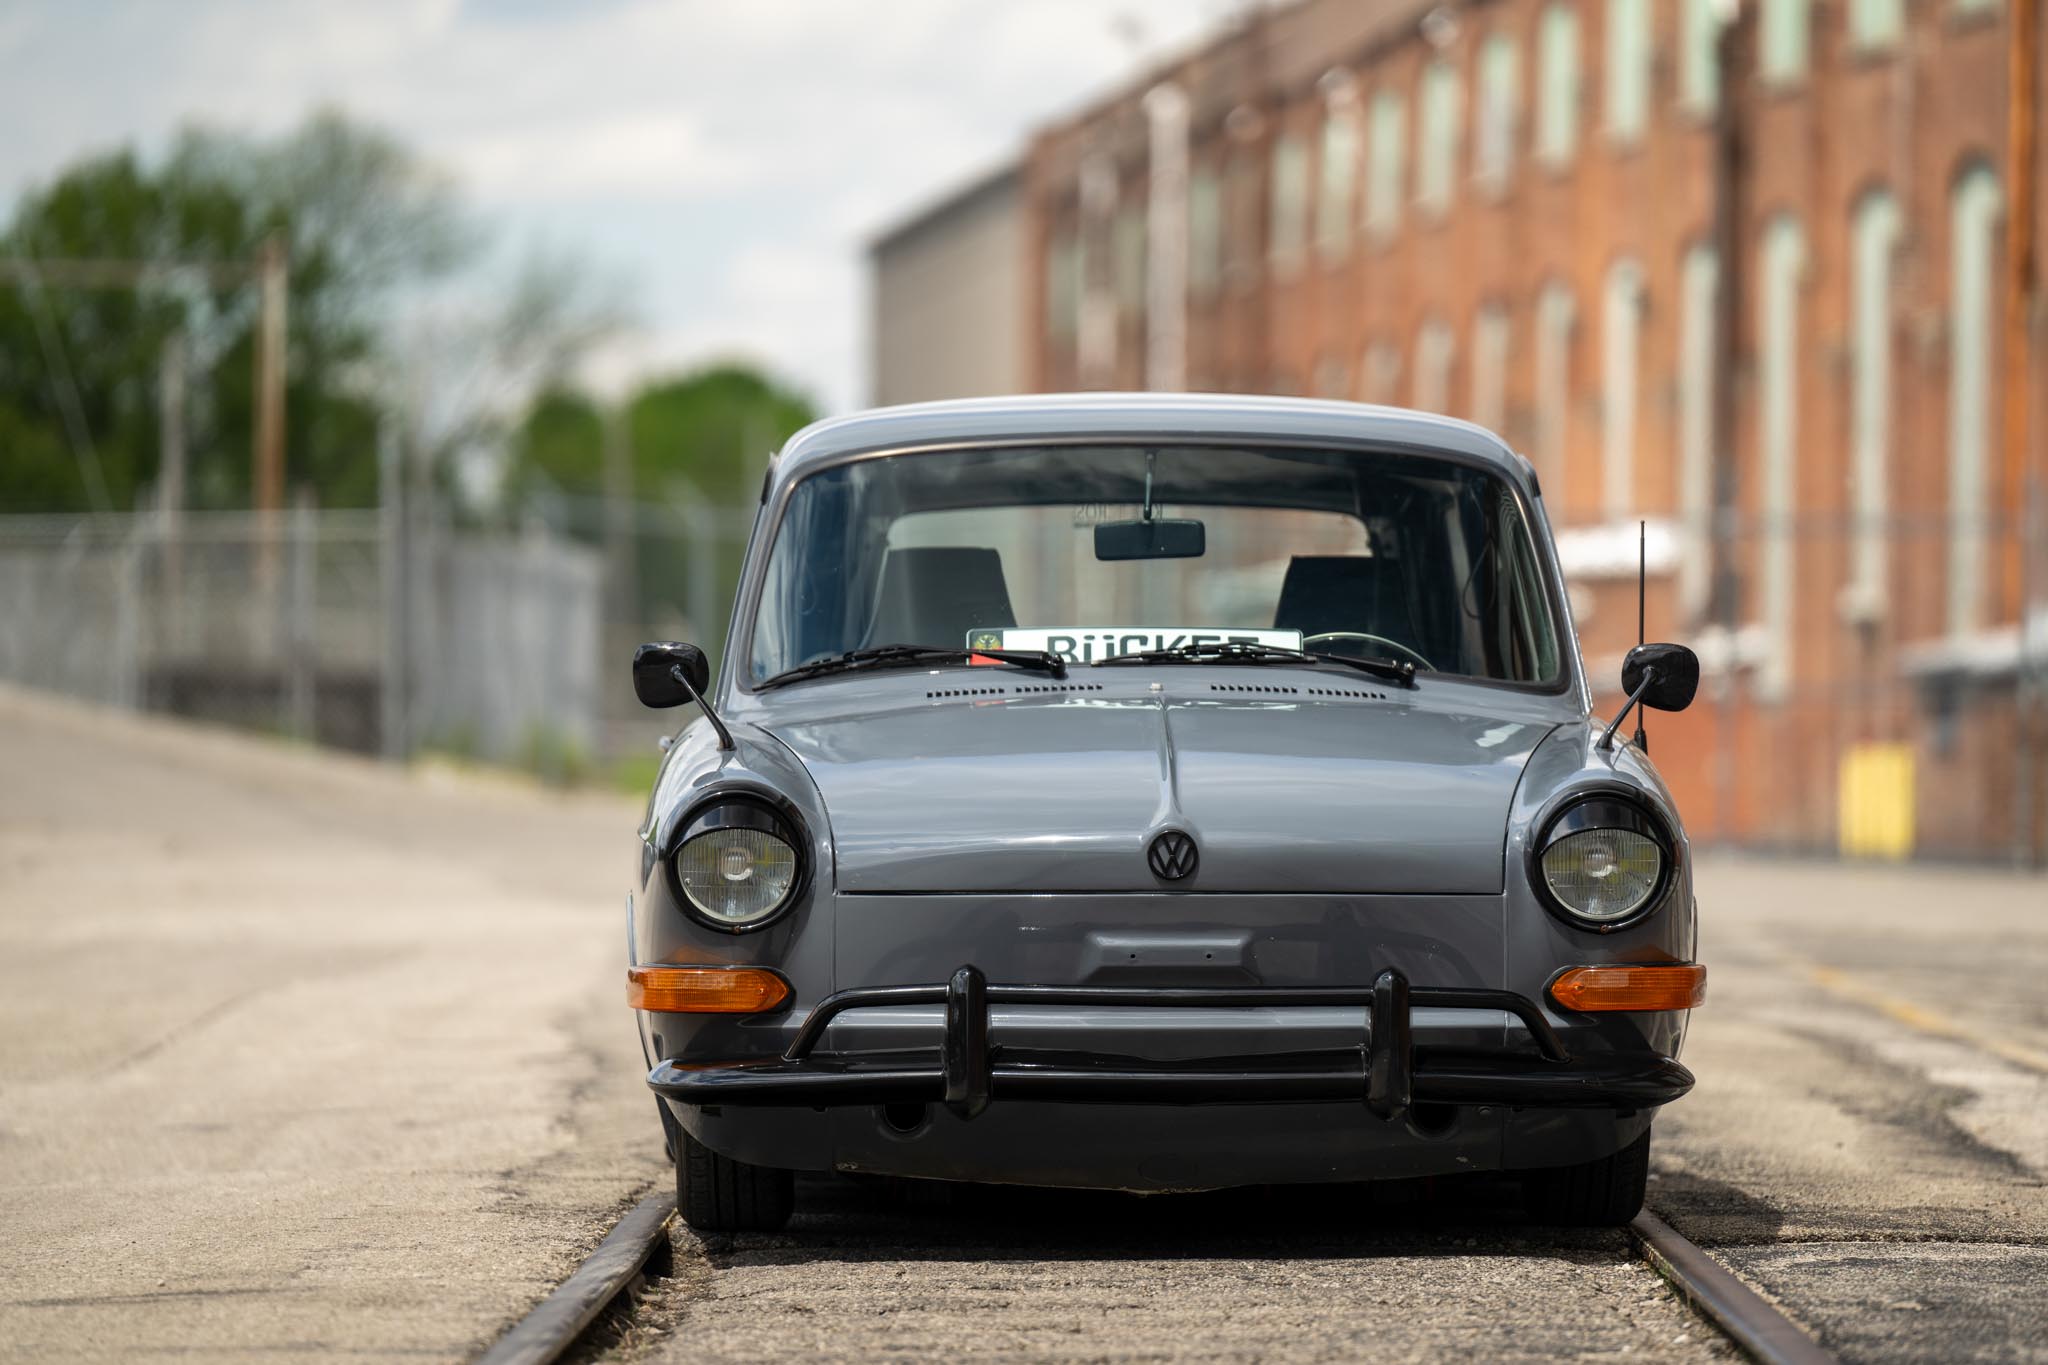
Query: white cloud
[{"x": 730, "y": 157}]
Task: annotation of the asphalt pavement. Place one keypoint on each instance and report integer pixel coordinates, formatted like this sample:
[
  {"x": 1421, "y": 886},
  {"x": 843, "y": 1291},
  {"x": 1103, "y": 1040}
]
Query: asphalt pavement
[
  {"x": 298, "y": 1055},
  {"x": 301, "y": 1055}
]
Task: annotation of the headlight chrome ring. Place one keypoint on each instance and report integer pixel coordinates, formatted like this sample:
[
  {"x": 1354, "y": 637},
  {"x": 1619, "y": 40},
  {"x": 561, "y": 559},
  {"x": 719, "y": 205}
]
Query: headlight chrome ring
[
  {"x": 1603, "y": 863},
  {"x": 739, "y": 865}
]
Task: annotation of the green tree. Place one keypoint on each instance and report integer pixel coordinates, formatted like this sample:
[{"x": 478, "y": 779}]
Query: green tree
[
  {"x": 79, "y": 366},
  {"x": 707, "y": 434}
]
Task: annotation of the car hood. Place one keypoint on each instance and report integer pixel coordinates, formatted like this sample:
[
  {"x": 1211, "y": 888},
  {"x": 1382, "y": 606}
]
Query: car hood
[{"x": 1297, "y": 793}]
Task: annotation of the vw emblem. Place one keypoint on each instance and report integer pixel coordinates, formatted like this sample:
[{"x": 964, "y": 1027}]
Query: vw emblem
[{"x": 1172, "y": 855}]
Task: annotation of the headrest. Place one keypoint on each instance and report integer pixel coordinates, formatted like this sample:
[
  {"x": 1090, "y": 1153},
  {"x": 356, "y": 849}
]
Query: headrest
[
  {"x": 935, "y": 594},
  {"x": 1336, "y": 592}
]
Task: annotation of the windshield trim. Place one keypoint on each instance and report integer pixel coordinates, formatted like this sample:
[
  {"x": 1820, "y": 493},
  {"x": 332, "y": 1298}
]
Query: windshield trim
[{"x": 739, "y": 643}]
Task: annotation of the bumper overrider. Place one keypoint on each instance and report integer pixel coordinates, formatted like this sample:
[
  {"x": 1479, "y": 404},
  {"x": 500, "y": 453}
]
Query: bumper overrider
[{"x": 1386, "y": 1072}]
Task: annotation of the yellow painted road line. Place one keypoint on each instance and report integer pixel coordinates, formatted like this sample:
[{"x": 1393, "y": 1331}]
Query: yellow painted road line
[{"x": 1846, "y": 987}]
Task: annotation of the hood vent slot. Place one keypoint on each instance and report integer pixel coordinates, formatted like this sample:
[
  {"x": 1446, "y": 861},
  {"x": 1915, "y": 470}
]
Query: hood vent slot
[
  {"x": 1059, "y": 687},
  {"x": 1345, "y": 692},
  {"x": 1253, "y": 687},
  {"x": 967, "y": 692}
]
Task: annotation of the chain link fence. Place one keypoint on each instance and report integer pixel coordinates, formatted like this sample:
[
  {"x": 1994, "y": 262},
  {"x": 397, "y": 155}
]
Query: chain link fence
[{"x": 388, "y": 631}]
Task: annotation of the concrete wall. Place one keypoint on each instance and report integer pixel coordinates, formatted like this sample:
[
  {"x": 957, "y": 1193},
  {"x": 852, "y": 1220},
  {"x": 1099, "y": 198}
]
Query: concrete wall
[{"x": 947, "y": 302}]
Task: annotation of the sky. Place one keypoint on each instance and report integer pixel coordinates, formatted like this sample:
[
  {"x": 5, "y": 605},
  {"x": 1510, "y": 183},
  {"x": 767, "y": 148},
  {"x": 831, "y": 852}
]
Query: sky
[{"x": 723, "y": 164}]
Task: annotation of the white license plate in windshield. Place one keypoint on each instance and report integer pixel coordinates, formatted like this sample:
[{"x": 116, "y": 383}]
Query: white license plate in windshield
[{"x": 1086, "y": 644}]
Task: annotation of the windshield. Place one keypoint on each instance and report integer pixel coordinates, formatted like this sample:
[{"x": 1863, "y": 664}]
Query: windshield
[{"x": 1094, "y": 551}]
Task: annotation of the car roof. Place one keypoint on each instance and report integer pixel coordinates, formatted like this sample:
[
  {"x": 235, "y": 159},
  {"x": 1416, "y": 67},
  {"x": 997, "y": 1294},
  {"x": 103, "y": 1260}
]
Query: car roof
[{"x": 1117, "y": 417}]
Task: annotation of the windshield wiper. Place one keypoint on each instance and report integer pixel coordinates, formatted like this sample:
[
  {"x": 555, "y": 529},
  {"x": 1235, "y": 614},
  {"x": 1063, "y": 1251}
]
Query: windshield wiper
[
  {"x": 1245, "y": 652},
  {"x": 908, "y": 656}
]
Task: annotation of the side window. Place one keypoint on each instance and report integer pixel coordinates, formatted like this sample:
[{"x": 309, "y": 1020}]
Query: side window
[{"x": 1531, "y": 635}]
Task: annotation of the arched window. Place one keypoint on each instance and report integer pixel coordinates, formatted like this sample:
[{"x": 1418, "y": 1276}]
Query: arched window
[
  {"x": 1699, "y": 70},
  {"x": 1386, "y": 170},
  {"x": 1699, "y": 287},
  {"x": 1436, "y": 349},
  {"x": 1621, "y": 339},
  {"x": 1339, "y": 173},
  {"x": 1556, "y": 315},
  {"x": 1442, "y": 127},
  {"x": 1557, "y": 109},
  {"x": 1500, "y": 112},
  {"x": 1288, "y": 223},
  {"x": 1974, "y": 206},
  {"x": 1873, "y": 234},
  {"x": 1490, "y": 367},
  {"x": 1628, "y": 68},
  {"x": 1875, "y": 23},
  {"x": 1783, "y": 261},
  {"x": 1784, "y": 37},
  {"x": 1379, "y": 374}
]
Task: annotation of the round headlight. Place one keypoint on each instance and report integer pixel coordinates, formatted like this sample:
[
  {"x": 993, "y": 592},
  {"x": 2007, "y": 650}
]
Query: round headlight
[
  {"x": 1605, "y": 862},
  {"x": 735, "y": 867}
]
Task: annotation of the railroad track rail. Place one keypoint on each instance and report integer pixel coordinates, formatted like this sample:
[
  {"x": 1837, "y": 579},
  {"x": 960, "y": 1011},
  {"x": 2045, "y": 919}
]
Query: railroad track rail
[{"x": 640, "y": 1242}]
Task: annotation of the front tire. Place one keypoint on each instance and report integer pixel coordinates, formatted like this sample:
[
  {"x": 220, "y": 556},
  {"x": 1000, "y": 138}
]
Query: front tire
[
  {"x": 1593, "y": 1194},
  {"x": 717, "y": 1194}
]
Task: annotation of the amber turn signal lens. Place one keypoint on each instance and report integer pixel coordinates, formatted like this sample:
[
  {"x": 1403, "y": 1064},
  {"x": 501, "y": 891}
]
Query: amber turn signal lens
[
  {"x": 1680, "y": 986},
  {"x": 705, "y": 990}
]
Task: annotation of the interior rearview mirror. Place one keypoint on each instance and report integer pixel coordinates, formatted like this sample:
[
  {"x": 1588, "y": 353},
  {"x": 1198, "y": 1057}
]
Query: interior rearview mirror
[
  {"x": 1678, "y": 675},
  {"x": 654, "y": 681},
  {"x": 1152, "y": 538}
]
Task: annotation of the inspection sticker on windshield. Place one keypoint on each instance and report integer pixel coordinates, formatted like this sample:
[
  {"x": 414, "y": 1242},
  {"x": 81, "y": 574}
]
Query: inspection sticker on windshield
[{"x": 1086, "y": 644}]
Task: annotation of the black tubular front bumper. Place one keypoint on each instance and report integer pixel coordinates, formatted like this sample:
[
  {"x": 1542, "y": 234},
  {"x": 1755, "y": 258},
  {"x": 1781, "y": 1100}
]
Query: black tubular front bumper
[{"x": 1385, "y": 1071}]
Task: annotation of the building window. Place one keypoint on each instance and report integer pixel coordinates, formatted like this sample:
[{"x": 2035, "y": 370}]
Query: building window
[
  {"x": 1876, "y": 23},
  {"x": 1628, "y": 68},
  {"x": 1205, "y": 233},
  {"x": 1556, "y": 316},
  {"x": 1129, "y": 245},
  {"x": 1379, "y": 377},
  {"x": 1243, "y": 209},
  {"x": 1500, "y": 112},
  {"x": 1699, "y": 289},
  {"x": 1330, "y": 377},
  {"x": 1443, "y": 105},
  {"x": 1557, "y": 109},
  {"x": 1339, "y": 175},
  {"x": 1873, "y": 236},
  {"x": 1785, "y": 34},
  {"x": 1699, "y": 72},
  {"x": 1289, "y": 221},
  {"x": 1387, "y": 169},
  {"x": 1621, "y": 340},
  {"x": 1490, "y": 367},
  {"x": 1974, "y": 207},
  {"x": 1783, "y": 261},
  {"x": 1062, "y": 287},
  {"x": 1436, "y": 349}
]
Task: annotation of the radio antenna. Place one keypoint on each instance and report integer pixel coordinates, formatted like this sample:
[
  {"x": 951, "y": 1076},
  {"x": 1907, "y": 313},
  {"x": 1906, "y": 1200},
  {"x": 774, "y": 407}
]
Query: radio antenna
[{"x": 1642, "y": 579}]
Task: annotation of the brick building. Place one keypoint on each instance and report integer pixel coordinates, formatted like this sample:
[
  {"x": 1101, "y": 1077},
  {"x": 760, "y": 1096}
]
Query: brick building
[{"x": 1614, "y": 230}]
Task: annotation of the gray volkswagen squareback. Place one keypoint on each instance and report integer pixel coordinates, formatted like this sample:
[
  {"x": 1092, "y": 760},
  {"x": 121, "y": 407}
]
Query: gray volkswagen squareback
[{"x": 1150, "y": 793}]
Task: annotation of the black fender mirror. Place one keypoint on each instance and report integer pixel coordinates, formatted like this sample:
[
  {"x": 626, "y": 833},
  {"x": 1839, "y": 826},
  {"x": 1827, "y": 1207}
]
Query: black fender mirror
[
  {"x": 1677, "y": 671},
  {"x": 654, "y": 679}
]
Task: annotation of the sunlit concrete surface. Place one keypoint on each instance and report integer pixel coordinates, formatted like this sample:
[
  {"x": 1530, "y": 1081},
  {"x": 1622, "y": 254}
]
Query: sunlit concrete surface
[
  {"x": 1869, "y": 1138},
  {"x": 299, "y": 1055}
]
